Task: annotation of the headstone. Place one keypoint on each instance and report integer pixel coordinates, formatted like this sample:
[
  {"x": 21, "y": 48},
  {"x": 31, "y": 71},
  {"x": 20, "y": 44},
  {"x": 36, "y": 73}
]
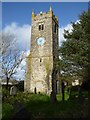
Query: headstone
[{"x": 13, "y": 90}]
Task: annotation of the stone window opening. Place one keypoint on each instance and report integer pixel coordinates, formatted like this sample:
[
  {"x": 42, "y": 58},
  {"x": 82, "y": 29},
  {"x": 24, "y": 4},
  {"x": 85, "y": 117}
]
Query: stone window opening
[
  {"x": 41, "y": 27},
  {"x": 40, "y": 60},
  {"x": 35, "y": 90}
]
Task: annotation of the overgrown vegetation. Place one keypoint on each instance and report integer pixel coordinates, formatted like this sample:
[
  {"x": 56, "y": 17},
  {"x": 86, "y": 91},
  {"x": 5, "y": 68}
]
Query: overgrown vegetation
[{"x": 39, "y": 106}]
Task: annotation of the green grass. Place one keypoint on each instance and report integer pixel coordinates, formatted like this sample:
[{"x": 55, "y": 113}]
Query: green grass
[
  {"x": 40, "y": 106},
  {"x": 59, "y": 96},
  {"x": 6, "y": 111}
]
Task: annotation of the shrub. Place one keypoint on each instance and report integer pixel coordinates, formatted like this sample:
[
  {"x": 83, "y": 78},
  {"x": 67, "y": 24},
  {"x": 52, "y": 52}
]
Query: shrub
[{"x": 5, "y": 93}]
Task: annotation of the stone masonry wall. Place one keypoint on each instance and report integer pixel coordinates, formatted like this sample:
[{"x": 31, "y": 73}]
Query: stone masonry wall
[{"x": 40, "y": 62}]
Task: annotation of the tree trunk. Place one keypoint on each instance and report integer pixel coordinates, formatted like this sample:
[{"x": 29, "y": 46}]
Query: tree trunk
[
  {"x": 53, "y": 93},
  {"x": 63, "y": 93},
  {"x": 7, "y": 81},
  {"x": 70, "y": 92},
  {"x": 80, "y": 97},
  {"x": 53, "y": 97}
]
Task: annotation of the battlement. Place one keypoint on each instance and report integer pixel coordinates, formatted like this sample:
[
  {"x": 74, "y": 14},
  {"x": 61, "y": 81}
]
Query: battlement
[{"x": 42, "y": 15}]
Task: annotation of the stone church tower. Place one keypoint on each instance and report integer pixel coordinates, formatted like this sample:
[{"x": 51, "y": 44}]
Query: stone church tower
[{"x": 41, "y": 72}]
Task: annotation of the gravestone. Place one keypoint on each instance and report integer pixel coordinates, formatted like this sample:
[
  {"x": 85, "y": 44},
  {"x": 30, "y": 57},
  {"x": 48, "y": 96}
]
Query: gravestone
[{"x": 13, "y": 90}]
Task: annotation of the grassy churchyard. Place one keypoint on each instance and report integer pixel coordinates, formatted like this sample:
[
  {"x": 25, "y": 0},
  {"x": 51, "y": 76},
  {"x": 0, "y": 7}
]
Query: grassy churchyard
[{"x": 39, "y": 106}]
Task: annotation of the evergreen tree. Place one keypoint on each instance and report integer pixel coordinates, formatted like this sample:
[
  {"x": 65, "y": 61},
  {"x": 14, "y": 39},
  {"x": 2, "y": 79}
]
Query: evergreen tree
[{"x": 74, "y": 51}]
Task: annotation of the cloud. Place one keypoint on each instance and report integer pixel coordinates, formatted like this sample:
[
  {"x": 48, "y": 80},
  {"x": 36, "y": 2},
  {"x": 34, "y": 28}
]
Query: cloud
[
  {"x": 20, "y": 74},
  {"x": 21, "y": 33},
  {"x": 61, "y": 32}
]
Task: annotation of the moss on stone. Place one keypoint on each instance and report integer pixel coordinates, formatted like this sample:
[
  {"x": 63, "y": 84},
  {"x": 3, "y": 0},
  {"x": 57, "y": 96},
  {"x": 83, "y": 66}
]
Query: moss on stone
[{"x": 47, "y": 67}]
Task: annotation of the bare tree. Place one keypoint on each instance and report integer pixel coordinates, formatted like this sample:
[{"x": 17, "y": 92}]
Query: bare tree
[{"x": 11, "y": 56}]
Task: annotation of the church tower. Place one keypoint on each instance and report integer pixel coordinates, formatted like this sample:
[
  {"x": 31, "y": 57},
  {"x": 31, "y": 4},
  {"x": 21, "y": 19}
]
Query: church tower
[{"x": 41, "y": 72}]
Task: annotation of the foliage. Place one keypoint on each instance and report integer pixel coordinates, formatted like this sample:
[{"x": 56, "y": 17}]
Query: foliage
[
  {"x": 5, "y": 93},
  {"x": 74, "y": 51}
]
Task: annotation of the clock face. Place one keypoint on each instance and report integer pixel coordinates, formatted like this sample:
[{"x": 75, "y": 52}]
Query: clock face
[{"x": 40, "y": 41}]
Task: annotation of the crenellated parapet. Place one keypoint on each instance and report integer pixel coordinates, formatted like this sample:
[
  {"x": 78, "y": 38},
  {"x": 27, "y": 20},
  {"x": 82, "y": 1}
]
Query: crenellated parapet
[{"x": 43, "y": 15}]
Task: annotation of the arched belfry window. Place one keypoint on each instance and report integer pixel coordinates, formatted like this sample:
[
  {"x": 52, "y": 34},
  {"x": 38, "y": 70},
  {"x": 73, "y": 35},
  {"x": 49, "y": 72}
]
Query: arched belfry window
[{"x": 41, "y": 27}]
